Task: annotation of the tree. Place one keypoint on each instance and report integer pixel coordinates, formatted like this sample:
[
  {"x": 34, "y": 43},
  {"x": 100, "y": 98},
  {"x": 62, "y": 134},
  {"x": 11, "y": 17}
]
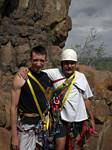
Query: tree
[{"x": 91, "y": 50}]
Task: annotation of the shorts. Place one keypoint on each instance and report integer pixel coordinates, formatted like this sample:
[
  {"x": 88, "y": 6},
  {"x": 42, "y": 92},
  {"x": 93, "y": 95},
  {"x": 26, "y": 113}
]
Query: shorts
[
  {"x": 77, "y": 128},
  {"x": 60, "y": 130}
]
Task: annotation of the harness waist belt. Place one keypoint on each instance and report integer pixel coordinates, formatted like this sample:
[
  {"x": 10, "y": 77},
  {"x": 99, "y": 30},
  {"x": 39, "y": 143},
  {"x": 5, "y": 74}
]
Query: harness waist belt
[{"x": 30, "y": 115}]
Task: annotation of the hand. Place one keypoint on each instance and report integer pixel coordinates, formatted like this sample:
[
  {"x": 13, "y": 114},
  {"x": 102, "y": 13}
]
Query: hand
[
  {"x": 23, "y": 72},
  {"x": 92, "y": 130},
  {"x": 15, "y": 143},
  {"x": 14, "y": 147}
]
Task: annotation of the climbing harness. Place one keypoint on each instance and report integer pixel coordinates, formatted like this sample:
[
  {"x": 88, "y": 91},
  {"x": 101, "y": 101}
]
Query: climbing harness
[{"x": 43, "y": 126}]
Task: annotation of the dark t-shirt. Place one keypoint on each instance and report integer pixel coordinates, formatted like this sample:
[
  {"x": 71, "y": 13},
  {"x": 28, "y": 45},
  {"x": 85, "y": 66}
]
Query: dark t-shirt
[{"x": 26, "y": 101}]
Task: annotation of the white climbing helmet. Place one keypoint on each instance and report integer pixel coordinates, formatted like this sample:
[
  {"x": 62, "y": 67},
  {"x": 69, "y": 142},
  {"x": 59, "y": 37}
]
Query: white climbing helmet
[{"x": 69, "y": 54}]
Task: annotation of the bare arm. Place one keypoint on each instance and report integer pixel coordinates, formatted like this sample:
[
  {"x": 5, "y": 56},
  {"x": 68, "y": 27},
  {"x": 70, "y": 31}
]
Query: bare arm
[
  {"x": 23, "y": 72},
  {"x": 90, "y": 112},
  {"x": 15, "y": 94}
]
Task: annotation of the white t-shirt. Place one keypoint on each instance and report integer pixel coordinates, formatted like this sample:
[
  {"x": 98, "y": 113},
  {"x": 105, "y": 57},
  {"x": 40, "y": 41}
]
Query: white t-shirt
[{"x": 74, "y": 108}]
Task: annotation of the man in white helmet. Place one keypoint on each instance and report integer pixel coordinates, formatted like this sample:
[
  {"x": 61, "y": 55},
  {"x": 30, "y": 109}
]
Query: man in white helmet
[
  {"x": 73, "y": 94},
  {"x": 71, "y": 101}
]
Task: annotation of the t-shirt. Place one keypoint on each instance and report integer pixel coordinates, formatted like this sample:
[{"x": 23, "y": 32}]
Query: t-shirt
[
  {"x": 26, "y": 101},
  {"x": 74, "y": 108}
]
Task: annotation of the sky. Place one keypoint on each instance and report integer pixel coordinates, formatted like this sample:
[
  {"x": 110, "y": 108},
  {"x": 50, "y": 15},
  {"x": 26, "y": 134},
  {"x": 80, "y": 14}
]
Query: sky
[{"x": 88, "y": 14}]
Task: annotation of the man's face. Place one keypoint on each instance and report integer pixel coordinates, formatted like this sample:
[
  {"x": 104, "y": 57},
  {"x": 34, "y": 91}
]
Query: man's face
[
  {"x": 38, "y": 61},
  {"x": 68, "y": 67}
]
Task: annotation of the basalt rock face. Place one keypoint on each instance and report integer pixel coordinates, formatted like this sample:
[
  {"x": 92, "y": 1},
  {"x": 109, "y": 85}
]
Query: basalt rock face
[{"x": 26, "y": 23}]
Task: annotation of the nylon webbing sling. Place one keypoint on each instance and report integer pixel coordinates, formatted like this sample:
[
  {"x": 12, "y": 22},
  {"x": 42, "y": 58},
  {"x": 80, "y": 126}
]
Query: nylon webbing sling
[
  {"x": 68, "y": 91},
  {"x": 41, "y": 87},
  {"x": 46, "y": 123},
  {"x": 63, "y": 90},
  {"x": 65, "y": 83}
]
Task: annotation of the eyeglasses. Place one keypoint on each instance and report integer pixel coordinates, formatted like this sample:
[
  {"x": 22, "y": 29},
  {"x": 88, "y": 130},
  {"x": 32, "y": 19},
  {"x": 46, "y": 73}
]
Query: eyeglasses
[{"x": 68, "y": 62}]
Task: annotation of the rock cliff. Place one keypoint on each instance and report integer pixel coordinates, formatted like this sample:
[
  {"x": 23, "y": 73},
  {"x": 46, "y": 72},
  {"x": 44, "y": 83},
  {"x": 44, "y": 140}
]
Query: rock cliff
[{"x": 25, "y": 23}]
